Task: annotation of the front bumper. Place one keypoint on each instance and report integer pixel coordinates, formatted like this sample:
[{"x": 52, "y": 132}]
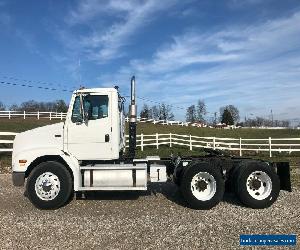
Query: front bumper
[{"x": 18, "y": 178}]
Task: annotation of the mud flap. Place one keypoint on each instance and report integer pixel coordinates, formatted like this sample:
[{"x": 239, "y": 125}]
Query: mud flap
[{"x": 283, "y": 171}]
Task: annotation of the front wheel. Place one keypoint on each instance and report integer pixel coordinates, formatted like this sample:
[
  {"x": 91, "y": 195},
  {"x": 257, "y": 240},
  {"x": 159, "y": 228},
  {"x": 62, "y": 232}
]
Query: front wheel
[
  {"x": 49, "y": 185},
  {"x": 202, "y": 186}
]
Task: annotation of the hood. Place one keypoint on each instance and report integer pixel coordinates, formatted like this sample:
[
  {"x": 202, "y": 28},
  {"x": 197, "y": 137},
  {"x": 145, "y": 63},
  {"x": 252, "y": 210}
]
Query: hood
[{"x": 42, "y": 137}]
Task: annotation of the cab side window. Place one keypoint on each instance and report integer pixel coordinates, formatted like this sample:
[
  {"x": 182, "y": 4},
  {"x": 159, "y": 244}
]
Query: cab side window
[
  {"x": 96, "y": 106},
  {"x": 76, "y": 113}
]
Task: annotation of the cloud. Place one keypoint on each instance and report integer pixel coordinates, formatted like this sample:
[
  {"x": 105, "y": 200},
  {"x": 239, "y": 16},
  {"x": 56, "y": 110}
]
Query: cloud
[
  {"x": 237, "y": 4},
  {"x": 186, "y": 50},
  {"x": 249, "y": 66},
  {"x": 104, "y": 44},
  {"x": 87, "y": 10}
]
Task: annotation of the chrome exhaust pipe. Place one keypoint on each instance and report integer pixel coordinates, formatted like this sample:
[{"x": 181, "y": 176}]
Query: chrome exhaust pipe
[
  {"x": 132, "y": 107},
  {"x": 132, "y": 120}
]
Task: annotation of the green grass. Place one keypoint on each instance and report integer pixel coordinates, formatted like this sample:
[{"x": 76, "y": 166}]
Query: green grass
[
  {"x": 19, "y": 125},
  {"x": 148, "y": 128}
]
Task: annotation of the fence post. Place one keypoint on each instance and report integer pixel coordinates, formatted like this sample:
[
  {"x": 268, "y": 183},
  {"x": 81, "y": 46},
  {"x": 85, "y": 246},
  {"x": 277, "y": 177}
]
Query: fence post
[
  {"x": 191, "y": 146},
  {"x": 142, "y": 142},
  {"x": 60, "y": 115},
  {"x": 214, "y": 143},
  {"x": 24, "y": 114},
  {"x": 157, "y": 140},
  {"x": 9, "y": 114},
  {"x": 50, "y": 117},
  {"x": 170, "y": 140},
  {"x": 270, "y": 146},
  {"x": 38, "y": 115},
  {"x": 240, "y": 146}
]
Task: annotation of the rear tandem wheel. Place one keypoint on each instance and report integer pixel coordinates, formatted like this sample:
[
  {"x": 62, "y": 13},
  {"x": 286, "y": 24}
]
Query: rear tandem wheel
[{"x": 202, "y": 185}]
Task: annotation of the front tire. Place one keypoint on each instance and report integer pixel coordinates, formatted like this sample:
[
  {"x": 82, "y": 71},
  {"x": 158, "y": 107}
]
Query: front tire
[
  {"x": 202, "y": 186},
  {"x": 49, "y": 185},
  {"x": 257, "y": 185}
]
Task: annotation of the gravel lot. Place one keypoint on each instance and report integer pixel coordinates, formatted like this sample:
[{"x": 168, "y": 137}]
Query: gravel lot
[{"x": 156, "y": 219}]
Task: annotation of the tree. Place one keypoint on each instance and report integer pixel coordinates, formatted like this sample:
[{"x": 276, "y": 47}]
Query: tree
[
  {"x": 201, "y": 110},
  {"x": 61, "y": 106},
  {"x": 33, "y": 106},
  {"x": 145, "y": 112},
  {"x": 227, "y": 117},
  {"x": 191, "y": 115},
  {"x": 29, "y": 106},
  {"x": 165, "y": 112},
  {"x": 154, "y": 112},
  {"x": 14, "y": 107},
  {"x": 2, "y": 106},
  {"x": 235, "y": 114}
]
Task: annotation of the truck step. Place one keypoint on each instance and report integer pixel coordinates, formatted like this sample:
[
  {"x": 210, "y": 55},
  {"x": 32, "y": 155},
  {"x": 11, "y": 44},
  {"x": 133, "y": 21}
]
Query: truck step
[
  {"x": 113, "y": 167},
  {"x": 111, "y": 188}
]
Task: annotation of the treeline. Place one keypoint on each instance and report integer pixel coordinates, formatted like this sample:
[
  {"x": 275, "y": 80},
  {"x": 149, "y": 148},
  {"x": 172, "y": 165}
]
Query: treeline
[
  {"x": 157, "y": 112},
  {"x": 227, "y": 114},
  {"x": 262, "y": 122},
  {"x": 194, "y": 113},
  {"x": 33, "y": 106}
]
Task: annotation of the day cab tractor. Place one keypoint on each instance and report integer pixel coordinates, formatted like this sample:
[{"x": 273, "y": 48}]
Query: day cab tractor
[{"x": 86, "y": 152}]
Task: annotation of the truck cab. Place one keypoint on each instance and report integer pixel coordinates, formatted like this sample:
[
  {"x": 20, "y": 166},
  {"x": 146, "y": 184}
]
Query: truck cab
[{"x": 95, "y": 125}]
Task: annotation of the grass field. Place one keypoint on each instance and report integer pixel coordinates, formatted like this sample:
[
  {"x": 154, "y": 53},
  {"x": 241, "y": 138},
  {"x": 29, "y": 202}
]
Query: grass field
[
  {"x": 149, "y": 128},
  {"x": 19, "y": 125}
]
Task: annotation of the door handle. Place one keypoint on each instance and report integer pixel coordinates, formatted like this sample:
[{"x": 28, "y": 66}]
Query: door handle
[{"x": 107, "y": 138}]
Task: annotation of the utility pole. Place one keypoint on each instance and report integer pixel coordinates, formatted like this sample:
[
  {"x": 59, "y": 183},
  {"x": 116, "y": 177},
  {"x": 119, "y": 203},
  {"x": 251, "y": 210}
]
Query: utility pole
[
  {"x": 215, "y": 118},
  {"x": 272, "y": 118},
  {"x": 79, "y": 71}
]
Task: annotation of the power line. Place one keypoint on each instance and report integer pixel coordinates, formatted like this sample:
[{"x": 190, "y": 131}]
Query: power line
[
  {"x": 37, "y": 82},
  {"x": 156, "y": 102},
  {"x": 29, "y": 84},
  {"x": 33, "y": 86}
]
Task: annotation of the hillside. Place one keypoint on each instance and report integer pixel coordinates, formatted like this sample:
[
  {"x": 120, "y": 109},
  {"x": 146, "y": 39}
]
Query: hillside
[{"x": 19, "y": 125}]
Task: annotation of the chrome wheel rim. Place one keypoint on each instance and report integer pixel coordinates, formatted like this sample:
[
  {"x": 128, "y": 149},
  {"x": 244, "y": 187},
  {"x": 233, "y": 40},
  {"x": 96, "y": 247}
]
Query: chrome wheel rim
[
  {"x": 203, "y": 186},
  {"x": 47, "y": 186},
  {"x": 259, "y": 185}
]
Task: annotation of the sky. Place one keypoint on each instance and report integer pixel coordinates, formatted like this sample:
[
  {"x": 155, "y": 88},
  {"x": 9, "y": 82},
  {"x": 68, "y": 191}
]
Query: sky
[{"x": 240, "y": 52}]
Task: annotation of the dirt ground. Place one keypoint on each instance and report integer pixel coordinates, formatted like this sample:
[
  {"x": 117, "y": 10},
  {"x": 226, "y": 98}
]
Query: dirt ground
[{"x": 156, "y": 219}]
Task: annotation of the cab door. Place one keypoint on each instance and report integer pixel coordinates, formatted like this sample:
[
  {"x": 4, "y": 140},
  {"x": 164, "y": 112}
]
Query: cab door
[{"x": 90, "y": 138}]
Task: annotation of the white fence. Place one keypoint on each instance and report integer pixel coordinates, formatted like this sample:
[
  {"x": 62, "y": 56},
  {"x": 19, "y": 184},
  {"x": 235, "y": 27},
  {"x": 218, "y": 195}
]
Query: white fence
[
  {"x": 60, "y": 115},
  {"x": 37, "y": 114},
  {"x": 240, "y": 145},
  {"x": 163, "y": 122},
  {"x": 3, "y": 142}
]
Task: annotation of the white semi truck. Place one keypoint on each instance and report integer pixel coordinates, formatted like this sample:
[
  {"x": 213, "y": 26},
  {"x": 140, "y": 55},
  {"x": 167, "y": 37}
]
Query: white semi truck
[{"x": 87, "y": 153}]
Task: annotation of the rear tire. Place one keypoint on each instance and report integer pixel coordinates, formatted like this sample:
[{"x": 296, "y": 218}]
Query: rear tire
[
  {"x": 257, "y": 185},
  {"x": 49, "y": 185},
  {"x": 202, "y": 185}
]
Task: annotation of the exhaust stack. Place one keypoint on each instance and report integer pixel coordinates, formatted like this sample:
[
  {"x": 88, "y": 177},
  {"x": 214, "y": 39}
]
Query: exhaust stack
[{"x": 132, "y": 120}]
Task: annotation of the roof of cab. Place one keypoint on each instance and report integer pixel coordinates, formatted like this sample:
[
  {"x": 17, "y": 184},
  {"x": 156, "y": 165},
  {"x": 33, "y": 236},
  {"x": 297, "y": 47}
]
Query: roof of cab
[{"x": 95, "y": 90}]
